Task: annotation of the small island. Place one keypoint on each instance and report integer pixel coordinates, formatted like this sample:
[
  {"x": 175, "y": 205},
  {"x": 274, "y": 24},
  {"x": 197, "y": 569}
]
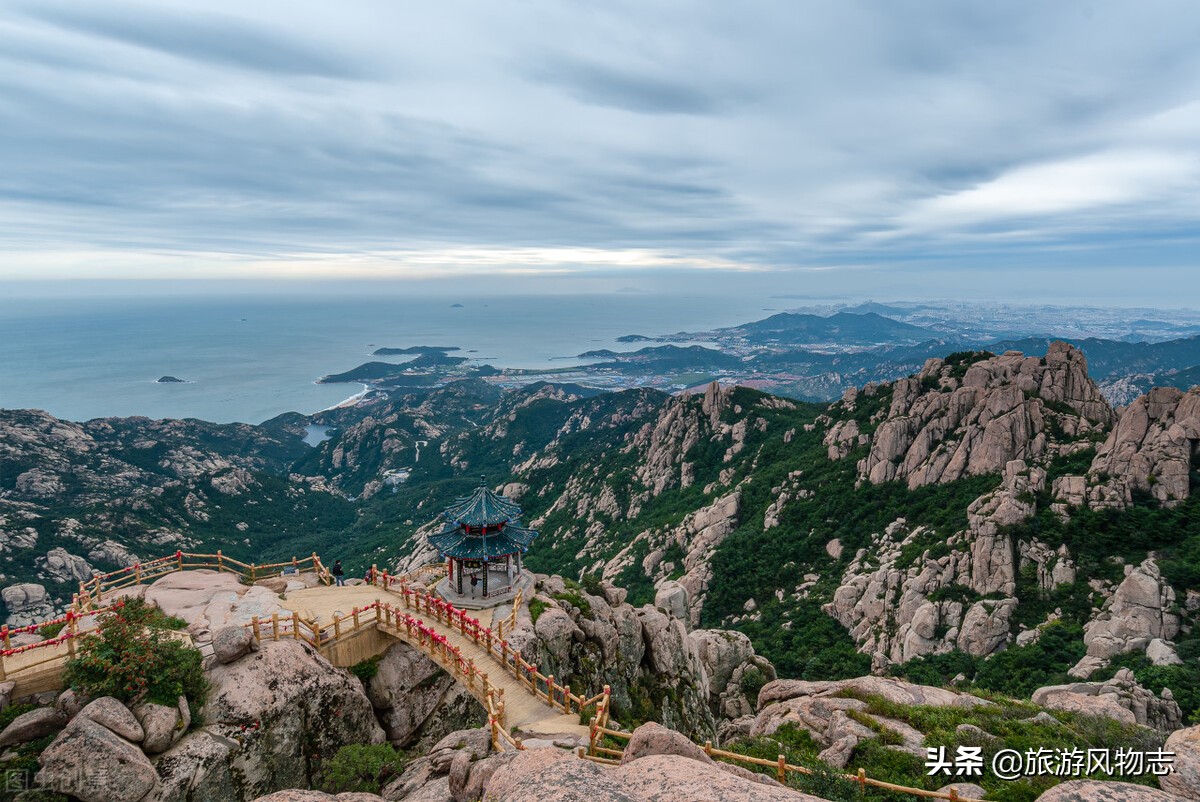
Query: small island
[
  {"x": 456, "y": 306},
  {"x": 170, "y": 380},
  {"x": 420, "y": 350}
]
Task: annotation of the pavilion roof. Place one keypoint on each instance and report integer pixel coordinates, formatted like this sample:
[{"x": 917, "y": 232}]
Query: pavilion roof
[
  {"x": 461, "y": 544},
  {"x": 481, "y": 508}
]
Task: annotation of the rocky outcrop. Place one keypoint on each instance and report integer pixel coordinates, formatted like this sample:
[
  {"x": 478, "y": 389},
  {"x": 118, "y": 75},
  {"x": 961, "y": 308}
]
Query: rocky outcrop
[
  {"x": 163, "y": 725},
  {"x": 1120, "y": 699},
  {"x": 27, "y": 602},
  {"x": 112, "y": 552},
  {"x": 268, "y": 716},
  {"x": 64, "y": 567},
  {"x": 1184, "y": 781},
  {"x": 551, "y": 775},
  {"x": 416, "y": 700},
  {"x": 1097, "y": 791},
  {"x": 697, "y": 537},
  {"x": 91, "y": 763},
  {"x": 232, "y": 643},
  {"x": 114, "y": 716},
  {"x": 30, "y": 726},
  {"x": 1149, "y": 450},
  {"x": 455, "y": 768},
  {"x": 824, "y": 710},
  {"x": 1137, "y": 613},
  {"x": 644, "y": 654},
  {"x": 732, "y": 669},
  {"x": 209, "y": 600},
  {"x": 946, "y": 423}
]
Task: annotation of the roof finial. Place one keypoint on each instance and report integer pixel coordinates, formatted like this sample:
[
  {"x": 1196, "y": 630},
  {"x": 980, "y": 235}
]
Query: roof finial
[{"x": 482, "y": 480}]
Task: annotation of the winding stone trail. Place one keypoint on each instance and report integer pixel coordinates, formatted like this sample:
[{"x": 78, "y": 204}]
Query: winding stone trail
[{"x": 523, "y": 709}]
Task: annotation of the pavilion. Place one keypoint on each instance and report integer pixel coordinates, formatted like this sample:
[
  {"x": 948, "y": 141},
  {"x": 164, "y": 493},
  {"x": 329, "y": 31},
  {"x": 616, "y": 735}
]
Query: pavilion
[{"x": 482, "y": 536}]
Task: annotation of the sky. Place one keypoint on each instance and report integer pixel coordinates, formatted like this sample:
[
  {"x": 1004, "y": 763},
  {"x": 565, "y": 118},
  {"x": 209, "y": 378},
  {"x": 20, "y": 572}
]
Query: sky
[{"x": 845, "y": 146}]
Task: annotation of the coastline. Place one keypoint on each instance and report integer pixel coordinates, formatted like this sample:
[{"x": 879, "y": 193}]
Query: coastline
[{"x": 347, "y": 402}]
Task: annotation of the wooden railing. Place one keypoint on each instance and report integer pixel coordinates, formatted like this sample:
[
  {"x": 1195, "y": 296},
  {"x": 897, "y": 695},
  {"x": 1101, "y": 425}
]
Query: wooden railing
[
  {"x": 510, "y": 623},
  {"x": 543, "y": 686},
  {"x": 92, "y": 593},
  {"x": 388, "y": 617},
  {"x": 596, "y": 752}
]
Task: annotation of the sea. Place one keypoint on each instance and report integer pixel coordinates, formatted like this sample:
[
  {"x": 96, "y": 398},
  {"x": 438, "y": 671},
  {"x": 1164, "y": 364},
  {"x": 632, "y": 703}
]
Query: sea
[{"x": 249, "y": 358}]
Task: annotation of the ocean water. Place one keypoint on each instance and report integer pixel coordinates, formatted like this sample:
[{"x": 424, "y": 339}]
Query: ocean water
[{"x": 249, "y": 358}]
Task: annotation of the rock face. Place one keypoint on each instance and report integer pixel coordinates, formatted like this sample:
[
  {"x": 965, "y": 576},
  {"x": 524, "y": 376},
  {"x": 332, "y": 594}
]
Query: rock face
[
  {"x": 696, "y": 537},
  {"x": 1150, "y": 449},
  {"x": 62, "y": 566},
  {"x": 646, "y": 655},
  {"x": 823, "y": 710},
  {"x": 27, "y": 602},
  {"x": 995, "y": 412},
  {"x": 453, "y": 769},
  {"x": 163, "y": 726},
  {"x": 731, "y": 666},
  {"x": 267, "y": 716},
  {"x": 94, "y": 764},
  {"x": 32, "y": 725},
  {"x": 417, "y": 701},
  {"x": 231, "y": 643},
  {"x": 209, "y": 600},
  {"x": 1184, "y": 781},
  {"x": 546, "y": 775},
  {"x": 1095, "y": 791},
  {"x": 1120, "y": 699},
  {"x": 114, "y": 716},
  {"x": 1138, "y": 612}
]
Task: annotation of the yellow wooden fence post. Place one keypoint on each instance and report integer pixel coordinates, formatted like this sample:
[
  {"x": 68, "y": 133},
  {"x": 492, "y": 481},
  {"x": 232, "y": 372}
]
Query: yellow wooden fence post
[
  {"x": 781, "y": 769},
  {"x": 137, "y": 572},
  {"x": 72, "y": 630},
  {"x": 254, "y": 628},
  {"x": 295, "y": 625},
  {"x": 220, "y": 562},
  {"x": 275, "y": 625}
]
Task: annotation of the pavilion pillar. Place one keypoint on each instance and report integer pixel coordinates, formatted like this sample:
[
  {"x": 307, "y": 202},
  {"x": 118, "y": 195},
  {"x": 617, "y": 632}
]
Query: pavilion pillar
[
  {"x": 458, "y": 574},
  {"x": 518, "y": 563},
  {"x": 485, "y": 577}
]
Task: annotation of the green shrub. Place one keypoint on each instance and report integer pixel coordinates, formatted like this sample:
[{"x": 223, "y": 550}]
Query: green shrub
[
  {"x": 360, "y": 767},
  {"x": 365, "y": 670},
  {"x": 49, "y": 631},
  {"x": 591, "y": 585},
  {"x": 577, "y": 600},
  {"x": 132, "y": 657},
  {"x": 536, "y": 608},
  {"x": 1020, "y": 670},
  {"x": 753, "y": 680}
]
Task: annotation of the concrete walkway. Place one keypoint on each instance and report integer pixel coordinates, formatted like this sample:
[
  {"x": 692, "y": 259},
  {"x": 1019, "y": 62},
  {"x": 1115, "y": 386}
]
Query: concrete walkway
[{"x": 523, "y": 709}]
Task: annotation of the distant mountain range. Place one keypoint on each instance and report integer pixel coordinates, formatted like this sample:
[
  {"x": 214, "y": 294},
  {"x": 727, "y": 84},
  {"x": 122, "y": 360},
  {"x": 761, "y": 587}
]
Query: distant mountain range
[{"x": 843, "y": 328}]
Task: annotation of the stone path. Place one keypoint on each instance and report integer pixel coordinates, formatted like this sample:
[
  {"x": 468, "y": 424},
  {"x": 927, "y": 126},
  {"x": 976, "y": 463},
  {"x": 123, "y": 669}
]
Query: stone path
[{"x": 524, "y": 710}]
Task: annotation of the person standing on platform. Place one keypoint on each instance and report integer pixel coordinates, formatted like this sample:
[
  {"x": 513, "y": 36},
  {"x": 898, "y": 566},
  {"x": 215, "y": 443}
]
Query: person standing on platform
[{"x": 338, "y": 573}]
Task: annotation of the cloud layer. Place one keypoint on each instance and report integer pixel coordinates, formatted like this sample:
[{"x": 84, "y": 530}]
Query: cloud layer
[{"x": 400, "y": 139}]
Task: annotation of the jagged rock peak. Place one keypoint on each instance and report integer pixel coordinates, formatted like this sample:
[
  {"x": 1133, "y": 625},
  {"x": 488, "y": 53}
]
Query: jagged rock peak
[
  {"x": 1149, "y": 450},
  {"x": 970, "y": 414}
]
